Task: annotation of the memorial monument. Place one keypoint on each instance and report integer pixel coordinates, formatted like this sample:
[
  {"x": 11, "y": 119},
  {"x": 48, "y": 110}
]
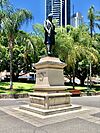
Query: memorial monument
[{"x": 49, "y": 96}]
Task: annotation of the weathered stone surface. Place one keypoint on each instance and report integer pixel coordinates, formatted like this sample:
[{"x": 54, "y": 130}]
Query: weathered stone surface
[
  {"x": 49, "y": 72},
  {"x": 49, "y": 100}
]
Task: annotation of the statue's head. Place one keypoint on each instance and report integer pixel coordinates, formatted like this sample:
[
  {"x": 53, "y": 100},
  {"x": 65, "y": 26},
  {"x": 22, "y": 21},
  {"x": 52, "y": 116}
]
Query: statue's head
[{"x": 50, "y": 16}]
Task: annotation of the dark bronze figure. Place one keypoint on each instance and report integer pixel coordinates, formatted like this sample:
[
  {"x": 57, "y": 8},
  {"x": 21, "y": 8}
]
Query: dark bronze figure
[{"x": 49, "y": 34}]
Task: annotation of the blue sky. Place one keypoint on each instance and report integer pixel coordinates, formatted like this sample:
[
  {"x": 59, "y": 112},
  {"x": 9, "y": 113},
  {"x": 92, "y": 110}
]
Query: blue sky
[{"x": 37, "y": 7}]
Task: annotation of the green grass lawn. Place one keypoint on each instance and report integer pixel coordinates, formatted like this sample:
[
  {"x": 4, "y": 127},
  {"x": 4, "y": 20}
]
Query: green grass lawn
[
  {"x": 17, "y": 87},
  {"x": 77, "y": 87},
  {"x": 28, "y": 87},
  {"x": 95, "y": 88}
]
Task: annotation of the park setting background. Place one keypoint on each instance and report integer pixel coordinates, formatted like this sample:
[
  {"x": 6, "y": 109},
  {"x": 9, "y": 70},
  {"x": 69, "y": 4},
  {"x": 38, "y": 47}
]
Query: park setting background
[{"x": 27, "y": 55}]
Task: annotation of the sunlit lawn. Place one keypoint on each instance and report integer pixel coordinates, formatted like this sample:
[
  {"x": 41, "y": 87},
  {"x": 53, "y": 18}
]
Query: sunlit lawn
[
  {"x": 78, "y": 87},
  {"x": 95, "y": 88},
  {"x": 28, "y": 87},
  {"x": 17, "y": 87}
]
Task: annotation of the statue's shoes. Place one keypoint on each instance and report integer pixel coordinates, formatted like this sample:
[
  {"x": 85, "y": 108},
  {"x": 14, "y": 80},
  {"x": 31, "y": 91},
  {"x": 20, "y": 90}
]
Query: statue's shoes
[{"x": 49, "y": 53}]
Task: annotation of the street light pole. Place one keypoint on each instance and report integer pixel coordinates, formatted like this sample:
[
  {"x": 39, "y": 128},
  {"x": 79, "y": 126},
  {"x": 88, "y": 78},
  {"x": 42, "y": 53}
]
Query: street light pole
[
  {"x": 90, "y": 74},
  {"x": 87, "y": 79}
]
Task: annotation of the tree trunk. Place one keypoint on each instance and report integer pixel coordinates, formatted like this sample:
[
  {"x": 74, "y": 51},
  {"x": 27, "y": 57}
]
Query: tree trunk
[
  {"x": 11, "y": 61},
  {"x": 74, "y": 77},
  {"x": 91, "y": 34},
  {"x": 82, "y": 81},
  {"x": 90, "y": 75}
]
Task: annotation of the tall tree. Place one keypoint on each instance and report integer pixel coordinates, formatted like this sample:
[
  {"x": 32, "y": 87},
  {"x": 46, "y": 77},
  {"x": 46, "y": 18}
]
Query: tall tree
[
  {"x": 92, "y": 18},
  {"x": 73, "y": 47},
  {"x": 24, "y": 51},
  {"x": 12, "y": 22}
]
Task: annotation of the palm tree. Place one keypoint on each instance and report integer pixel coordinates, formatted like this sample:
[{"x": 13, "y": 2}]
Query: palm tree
[
  {"x": 97, "y": 19},
  {"x": 92, "y": 16},
  {"x": 3, "y": 3},
  {"x": 12, "y": 22},
  {"x": 29, "y": 48},
  {"x": 23, "y": 51}
]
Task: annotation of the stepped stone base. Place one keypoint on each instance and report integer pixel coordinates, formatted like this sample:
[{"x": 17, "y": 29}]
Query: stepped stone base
[
  {"x": 49, "y": 100},
  {"x": 47, "y": 112},
  {"x": 49, "y": 96}
]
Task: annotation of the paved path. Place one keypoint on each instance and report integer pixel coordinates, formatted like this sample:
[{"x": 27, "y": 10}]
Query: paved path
[
  {"x": 91, "y": 101},
  {"x": 84, "y": 121}
]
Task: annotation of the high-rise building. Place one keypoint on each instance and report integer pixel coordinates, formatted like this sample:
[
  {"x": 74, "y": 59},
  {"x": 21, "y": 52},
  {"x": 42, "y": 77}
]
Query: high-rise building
[
  {"x": 76, "y": 19},
  {"x": 60, "y": 10}
]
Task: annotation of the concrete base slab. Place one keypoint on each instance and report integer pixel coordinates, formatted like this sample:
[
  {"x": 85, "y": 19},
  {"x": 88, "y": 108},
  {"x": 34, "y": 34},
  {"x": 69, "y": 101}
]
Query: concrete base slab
[{"x": 47, "y": 112}]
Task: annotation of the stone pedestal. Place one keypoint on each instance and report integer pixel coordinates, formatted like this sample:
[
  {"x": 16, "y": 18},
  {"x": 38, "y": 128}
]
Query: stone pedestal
[
  {"x": 49, "y": 71},
  {"x": 49, "y": 95},
  {"x": 49, "y": 90}
]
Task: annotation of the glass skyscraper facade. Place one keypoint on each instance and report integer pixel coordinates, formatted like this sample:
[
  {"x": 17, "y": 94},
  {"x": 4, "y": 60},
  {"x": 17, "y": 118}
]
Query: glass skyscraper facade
[
  {"x": 76, "y": 19},
  {"x": 68, "y": 11},
  {"x": 60, "y": 10}
]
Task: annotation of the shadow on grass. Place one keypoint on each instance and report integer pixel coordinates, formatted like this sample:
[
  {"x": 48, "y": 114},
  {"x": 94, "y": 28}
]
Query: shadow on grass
[
  {"x": 2, "y": 92},
  {"x": 4, "y": 83},
  {"x": 21, "y": 89},
  {"x": 4, "y": 88}
]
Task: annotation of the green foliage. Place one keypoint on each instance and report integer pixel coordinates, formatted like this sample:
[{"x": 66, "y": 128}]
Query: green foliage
[
  {"x": 3, "y": 57},
  {"x": 74, "y": 46},
  {"x": 38, "y": 38},
  {"x": 23, "y": 52}
]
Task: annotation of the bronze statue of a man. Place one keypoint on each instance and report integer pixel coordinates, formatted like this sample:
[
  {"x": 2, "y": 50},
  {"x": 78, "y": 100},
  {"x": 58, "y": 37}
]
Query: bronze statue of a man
[{"x": 49, "y": 34}]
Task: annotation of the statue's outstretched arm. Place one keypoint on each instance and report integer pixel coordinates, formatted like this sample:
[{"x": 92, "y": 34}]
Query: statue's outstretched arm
[{"x": 47, "y": 26}]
